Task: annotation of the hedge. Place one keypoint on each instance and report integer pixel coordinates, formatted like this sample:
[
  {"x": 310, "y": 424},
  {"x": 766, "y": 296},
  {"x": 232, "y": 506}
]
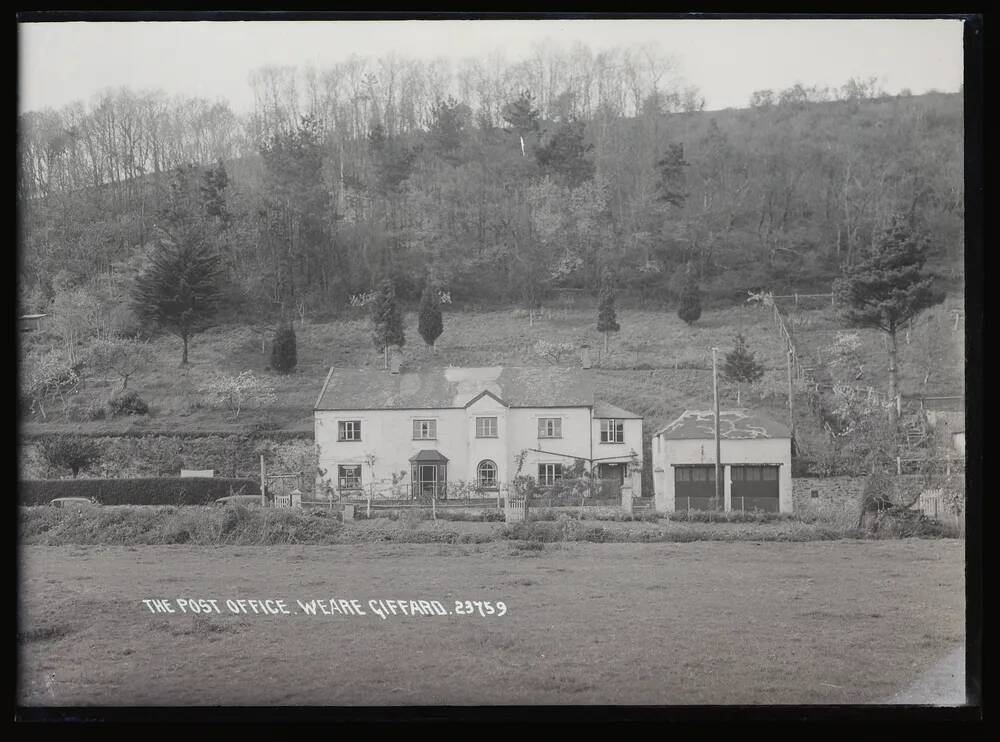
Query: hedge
[{"x": 150, "y": 491}]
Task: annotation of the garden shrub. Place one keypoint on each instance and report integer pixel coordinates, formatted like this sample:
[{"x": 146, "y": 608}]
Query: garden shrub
[{"x": 129, "y": 403}]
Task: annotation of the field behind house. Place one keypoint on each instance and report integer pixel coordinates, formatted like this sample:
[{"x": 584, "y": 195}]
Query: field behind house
[
  {"x": 706, "y": 623},
  {"x": 656, "y": 366}
]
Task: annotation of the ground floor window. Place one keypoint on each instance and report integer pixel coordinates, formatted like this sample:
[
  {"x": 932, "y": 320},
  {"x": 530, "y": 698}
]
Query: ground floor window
[
  {"x": 765, "y": 473},
  {"x": 486, "y": 474},
  {"x": 549, "y": 474},
  {"x": 697, "y": 473},
  {"x": 349, "y": 476}
]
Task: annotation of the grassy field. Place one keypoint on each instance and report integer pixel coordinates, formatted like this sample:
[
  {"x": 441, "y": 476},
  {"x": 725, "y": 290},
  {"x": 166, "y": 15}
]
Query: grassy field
[
  {"x": 674, "y": 361},
  {"x": 715, "y": 623},
  {"x": 657, "y": 366}
]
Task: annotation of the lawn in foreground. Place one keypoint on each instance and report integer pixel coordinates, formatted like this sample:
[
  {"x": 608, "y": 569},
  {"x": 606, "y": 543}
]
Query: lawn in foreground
[{"x": 695, "y": 623}]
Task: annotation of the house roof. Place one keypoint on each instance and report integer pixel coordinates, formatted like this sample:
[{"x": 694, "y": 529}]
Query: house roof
[
  {"x": 604, "y": 409},
  {"x": 733, "y": 424},
  {"x": 429, "y": 454},
  {"x": 444, "y": 388}
]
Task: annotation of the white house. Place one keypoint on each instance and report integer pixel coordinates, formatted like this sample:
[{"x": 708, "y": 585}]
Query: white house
[
  {"x": 414, "y": 432},
  {"x": 756, "y": 458}
]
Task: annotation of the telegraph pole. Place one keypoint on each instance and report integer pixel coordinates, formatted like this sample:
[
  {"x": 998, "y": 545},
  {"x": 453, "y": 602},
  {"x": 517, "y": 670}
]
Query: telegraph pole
[
  {"x": 719, "y": 496},
  {"x": 791, "y": 397}
]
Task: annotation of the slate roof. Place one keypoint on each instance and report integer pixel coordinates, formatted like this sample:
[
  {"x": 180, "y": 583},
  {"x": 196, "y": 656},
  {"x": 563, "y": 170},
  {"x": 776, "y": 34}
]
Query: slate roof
[
  {"x": 733, "y": 424},
  {"x": 429, "y": 454},
  {"x": 604, "y": 410},
  {"x": 439, "y": 388}
]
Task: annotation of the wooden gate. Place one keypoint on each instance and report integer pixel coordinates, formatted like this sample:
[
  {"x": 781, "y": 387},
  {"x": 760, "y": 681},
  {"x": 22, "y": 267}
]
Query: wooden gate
[{"x": 515, "y": 509}]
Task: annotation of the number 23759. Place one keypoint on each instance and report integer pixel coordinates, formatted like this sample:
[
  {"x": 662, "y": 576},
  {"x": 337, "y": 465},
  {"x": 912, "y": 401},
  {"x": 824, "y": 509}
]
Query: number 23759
[{"x": 480, "y": 607}]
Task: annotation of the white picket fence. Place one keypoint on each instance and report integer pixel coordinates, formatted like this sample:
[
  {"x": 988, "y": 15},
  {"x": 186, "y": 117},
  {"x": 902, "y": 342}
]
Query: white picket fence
[{"x": 515, "y": 509}]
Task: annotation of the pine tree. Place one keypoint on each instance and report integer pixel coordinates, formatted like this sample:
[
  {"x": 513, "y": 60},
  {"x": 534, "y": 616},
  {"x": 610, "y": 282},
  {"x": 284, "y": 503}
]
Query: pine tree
[
  {"x": 564, "y": 154},
  {"x": 690, "y": 307},
  {"x": 431, "y": 324},
  {"x": 741, "y": 366},
  {"x": 888, "y": 288},
  {"x": 284, "y": 355},
  {"x": 181, "y": 289},
  {"x": 387, "y": 319},
  {"x": 606, "y": 320},
  {"x": 522, "y": 116},
  {"x": 671, "y": 181}
]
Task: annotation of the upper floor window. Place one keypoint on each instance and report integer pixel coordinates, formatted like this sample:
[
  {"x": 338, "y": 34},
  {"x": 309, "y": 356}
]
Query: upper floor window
[
  {"x": 549, "y": 473},
  {"x": 549, "y": 427},
  {"x": 424, "y": 430},
  {"x": 349, "y": 476},
  {"x": 486, "y": 427},
  {"x": 612, "y": 431},
  {"x": 349, "y": 430}
]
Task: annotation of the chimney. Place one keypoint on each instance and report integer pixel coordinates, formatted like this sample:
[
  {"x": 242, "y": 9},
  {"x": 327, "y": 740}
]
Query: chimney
[
  {"x": 585, "y": 355},
  {"x": 395, "y": 360}
]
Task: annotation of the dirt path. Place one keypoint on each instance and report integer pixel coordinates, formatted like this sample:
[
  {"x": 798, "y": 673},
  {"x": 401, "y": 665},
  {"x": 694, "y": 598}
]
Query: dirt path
[{"x": 942, "y": 685}]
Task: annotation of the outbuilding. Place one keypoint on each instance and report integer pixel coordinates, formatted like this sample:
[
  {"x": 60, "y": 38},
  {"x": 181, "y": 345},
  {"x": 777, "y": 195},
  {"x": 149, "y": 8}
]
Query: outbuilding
[{"x": 756, "y": 463}]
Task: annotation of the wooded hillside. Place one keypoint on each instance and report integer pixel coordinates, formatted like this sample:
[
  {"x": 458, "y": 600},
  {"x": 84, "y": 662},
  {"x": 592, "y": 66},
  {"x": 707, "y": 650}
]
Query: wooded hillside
[{"x": 499, "y": 181}]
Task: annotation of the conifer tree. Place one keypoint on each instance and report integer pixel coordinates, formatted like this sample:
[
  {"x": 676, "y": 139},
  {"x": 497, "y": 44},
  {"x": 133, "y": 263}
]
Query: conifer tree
[
  {"x": 430, "y": 324},
  {"x": 284, "y": 354},
  {"x": 606, "y": 320},
  {"x": 387, "y": 319},
  {"x": 741, "y": 367},
  {"x": 887, "y": 288},
  {"x": 690, "y": 307},
  {"x": 181, "y": 288}
]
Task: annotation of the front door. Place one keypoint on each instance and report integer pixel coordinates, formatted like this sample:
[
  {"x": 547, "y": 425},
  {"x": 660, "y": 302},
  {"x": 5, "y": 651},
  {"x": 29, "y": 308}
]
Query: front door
[
  {"x": 612, "y": 477},
  {"x": 428, "y": 480},
  {"x": 613, "y": 473}
]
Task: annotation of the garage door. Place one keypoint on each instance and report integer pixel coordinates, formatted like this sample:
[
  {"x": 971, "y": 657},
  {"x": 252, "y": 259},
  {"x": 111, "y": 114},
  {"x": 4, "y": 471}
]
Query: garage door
[
  {"x": 755, "y": 488},
  {"x": 694, "y": 488}
]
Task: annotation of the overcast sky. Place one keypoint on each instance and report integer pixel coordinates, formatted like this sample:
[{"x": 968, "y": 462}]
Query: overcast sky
[{"x": 726, "y": 59}]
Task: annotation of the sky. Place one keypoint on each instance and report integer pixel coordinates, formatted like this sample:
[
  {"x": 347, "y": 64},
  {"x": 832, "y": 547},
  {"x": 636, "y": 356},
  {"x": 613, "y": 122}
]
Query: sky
[{"x": 727, "y": 59}]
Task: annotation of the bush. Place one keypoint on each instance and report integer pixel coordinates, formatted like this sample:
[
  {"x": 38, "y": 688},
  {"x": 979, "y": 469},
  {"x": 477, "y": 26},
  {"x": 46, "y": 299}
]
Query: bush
[
  {"x": 73, "y": 452},
  {"x": 237, "y": 392},
  {"x": 127, "y": 404},
  {"x": 151, "y": 491}
]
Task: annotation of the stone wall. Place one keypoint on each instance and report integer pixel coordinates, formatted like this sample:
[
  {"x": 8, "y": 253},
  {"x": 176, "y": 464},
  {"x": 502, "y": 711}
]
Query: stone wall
[
  {"x": 808, "y": 492},
  {"x": 844, "y": 493}
]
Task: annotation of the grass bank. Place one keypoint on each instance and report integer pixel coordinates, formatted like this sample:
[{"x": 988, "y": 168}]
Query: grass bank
[{"x": 143, "y": 525}]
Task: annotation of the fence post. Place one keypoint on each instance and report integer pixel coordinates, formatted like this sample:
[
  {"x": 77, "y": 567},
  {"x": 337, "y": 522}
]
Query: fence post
[{"x": 263, "y": 497}]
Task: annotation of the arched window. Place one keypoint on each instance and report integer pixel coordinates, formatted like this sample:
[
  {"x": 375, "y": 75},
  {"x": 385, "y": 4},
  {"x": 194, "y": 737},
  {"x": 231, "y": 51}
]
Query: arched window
[{"x": 486, "y": 474}]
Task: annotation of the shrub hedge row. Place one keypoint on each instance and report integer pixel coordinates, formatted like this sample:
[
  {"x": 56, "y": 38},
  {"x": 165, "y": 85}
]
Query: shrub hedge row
[{"x": 150, "y": 491}]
